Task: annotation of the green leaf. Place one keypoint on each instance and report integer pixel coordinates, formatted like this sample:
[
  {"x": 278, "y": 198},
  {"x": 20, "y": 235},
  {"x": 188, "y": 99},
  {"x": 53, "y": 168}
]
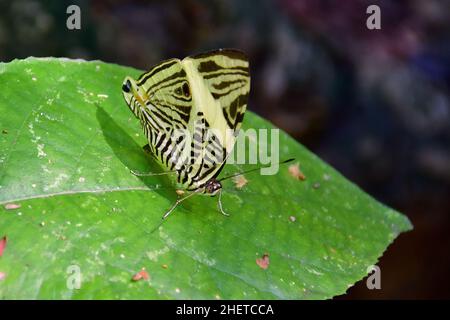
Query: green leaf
[{"x": 68, "y": 143}]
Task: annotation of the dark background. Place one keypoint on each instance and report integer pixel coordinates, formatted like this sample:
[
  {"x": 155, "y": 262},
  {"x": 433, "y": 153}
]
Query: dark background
[{"x": 372, "y": 103}]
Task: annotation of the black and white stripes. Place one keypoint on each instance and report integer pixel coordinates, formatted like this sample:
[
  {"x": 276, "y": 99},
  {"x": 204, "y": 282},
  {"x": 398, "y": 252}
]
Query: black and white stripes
[{"x": 186, "y": 111}]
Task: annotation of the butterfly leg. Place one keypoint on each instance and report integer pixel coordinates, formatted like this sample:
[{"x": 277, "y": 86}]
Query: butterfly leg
[
  {"x": 177, "y": 203},
  {"x": 219, "y": 204}
]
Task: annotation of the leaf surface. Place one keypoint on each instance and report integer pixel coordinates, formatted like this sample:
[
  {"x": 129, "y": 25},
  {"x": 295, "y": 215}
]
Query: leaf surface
[{"x": 67, "y": 146}]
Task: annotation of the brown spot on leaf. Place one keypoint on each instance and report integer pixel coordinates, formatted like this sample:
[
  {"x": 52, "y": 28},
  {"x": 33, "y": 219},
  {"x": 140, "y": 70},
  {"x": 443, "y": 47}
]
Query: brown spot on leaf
[
  {"x": 164, "y": 266},
  {"x": 294, "y": 171},
  {"x": 263, "y": 262},
  {"x": 240, "y": 181},
  {"x": 11, "y": 206},
  {"x": 179, "y": 192},
  {"x": 141, "y": 275}
]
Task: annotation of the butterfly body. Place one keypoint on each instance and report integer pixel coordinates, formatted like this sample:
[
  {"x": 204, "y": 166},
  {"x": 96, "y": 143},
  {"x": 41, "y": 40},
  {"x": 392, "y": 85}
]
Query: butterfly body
[{"x": 191, "y": 111}]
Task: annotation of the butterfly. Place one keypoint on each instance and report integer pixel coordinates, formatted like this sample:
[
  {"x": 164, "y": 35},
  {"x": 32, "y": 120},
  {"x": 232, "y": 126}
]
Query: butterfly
[{"x": 191, "y": 111}]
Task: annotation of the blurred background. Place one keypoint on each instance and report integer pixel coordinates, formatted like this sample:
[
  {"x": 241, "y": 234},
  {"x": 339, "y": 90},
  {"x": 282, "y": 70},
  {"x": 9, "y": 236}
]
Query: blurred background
[{"x": 372, "y": 103}]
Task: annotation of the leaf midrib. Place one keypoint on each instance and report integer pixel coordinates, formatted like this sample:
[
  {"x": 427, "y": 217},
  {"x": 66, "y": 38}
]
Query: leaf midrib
[{"x": 72, "y": 192}]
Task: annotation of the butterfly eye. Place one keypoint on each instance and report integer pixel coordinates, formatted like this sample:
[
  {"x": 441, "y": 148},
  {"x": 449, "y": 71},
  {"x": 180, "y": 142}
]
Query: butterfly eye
[
  {"x": 186, "y": 91},
  {"x": 126, "y": 87}
]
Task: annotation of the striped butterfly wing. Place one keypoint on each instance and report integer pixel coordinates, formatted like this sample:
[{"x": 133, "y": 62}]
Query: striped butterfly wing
[
  {"x": 204, "y": 95},
  {"x": 220, "y": 84},
  {"x": 226, "y": 76},
  {"x": 168, "y": 106},
  {"x": 162, "y": 101}
]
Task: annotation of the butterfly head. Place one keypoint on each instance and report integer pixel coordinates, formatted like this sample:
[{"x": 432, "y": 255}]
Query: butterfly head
[
  {"x": 134, "y": 95},
  {"x": 212, "y": 186}
]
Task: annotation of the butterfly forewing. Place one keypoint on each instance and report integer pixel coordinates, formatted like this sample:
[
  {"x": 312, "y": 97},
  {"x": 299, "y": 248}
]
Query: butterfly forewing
[{"x": 227, "y": 78}]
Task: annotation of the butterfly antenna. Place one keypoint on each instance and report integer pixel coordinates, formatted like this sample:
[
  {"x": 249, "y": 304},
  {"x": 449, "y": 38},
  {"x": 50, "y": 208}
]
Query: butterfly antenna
[{"x": 251, "y": 170}]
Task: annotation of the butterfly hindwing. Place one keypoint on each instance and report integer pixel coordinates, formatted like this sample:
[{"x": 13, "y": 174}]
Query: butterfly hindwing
[
  {"x": 164, "y": 105},
  {"x": 165, "y": 86}
]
